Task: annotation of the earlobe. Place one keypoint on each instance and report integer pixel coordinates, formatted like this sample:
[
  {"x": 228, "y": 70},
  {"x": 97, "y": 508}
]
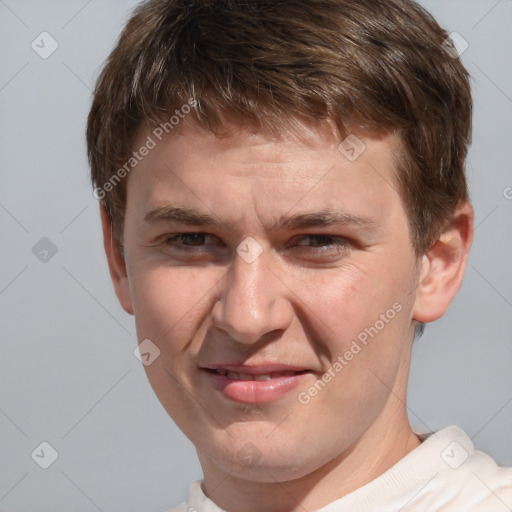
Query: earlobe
[
  {"x": 116, "y": 262},
  {"x": 443, "y": 267}
]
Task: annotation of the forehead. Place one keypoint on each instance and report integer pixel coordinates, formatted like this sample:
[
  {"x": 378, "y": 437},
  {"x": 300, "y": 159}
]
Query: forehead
[{"x": 307, "y": 166}]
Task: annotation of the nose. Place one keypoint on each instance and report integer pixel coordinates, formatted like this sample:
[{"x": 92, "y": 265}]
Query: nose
[{"x": 253, "y": 302}]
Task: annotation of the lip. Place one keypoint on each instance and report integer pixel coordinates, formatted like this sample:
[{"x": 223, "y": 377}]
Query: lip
[
  {"x": 259, "y": 369},
  {"x": 255, "y": 391}
]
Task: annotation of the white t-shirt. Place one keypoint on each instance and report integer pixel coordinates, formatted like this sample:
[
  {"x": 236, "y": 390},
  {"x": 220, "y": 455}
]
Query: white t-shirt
[{"x": 444, "y": 474}]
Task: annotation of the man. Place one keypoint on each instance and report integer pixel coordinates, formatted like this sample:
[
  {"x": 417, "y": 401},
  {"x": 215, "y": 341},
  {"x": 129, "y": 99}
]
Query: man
[{"x": 284, "y": 206}]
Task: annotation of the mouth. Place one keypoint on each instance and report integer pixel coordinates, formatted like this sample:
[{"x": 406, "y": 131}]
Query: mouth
[
  {"x": 232, "y": 375},
  {"x": 254, "y": 385}
]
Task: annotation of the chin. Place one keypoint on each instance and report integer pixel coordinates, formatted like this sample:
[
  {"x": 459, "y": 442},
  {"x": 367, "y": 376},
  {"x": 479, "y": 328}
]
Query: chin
[{"x": 267, "y": 465}]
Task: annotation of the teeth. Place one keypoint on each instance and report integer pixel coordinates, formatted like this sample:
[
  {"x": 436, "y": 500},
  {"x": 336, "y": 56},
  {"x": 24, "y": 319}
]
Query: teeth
[
  {"x": 264, "y": 376},
  {"x": 246, "y": 376}
]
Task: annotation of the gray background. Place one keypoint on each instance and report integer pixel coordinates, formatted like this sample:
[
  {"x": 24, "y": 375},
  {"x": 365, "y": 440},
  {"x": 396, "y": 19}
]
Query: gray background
[{"x": 68, "y": 375}]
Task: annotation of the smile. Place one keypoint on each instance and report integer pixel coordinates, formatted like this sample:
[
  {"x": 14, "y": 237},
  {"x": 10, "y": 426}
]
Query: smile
[
  {"x": 255, "y": 377},
  {"x": 251, "y": 388}
]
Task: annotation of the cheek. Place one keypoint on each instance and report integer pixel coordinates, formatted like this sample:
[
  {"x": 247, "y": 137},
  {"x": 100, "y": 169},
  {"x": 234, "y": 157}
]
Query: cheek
[
  {"x": 349, "y": 300},
  {"x": 170, "y": 302},
  {"x": 359, "y": 318}
]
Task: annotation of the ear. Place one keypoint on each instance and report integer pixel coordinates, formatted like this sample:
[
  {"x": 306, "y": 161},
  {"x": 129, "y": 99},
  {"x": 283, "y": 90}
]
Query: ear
[
  {"x": 443, "y": 267},
  {"x": 116, "y": 262}
]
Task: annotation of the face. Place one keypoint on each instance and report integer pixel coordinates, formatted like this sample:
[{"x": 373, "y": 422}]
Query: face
[{"x": 276, "y": 278}]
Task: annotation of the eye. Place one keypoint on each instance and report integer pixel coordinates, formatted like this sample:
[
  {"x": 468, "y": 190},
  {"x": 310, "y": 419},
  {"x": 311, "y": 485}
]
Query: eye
[
  {"x": 329, "y": 242},
  {"x": 193, "y": 248},
  {"x": 189, "y": 240}
]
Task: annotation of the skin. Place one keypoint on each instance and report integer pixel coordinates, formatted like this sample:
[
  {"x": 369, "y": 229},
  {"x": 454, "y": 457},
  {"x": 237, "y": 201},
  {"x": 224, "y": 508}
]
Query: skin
[{"x": 303, "y": 301}]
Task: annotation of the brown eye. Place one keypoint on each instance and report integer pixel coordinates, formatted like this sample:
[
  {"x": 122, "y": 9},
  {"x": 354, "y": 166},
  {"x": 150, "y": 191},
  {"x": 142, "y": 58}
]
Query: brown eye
[
  {"x": 193, "y": 248},
  {"x": 319, "y": 241},
  {"x": 187, "y": 239}
]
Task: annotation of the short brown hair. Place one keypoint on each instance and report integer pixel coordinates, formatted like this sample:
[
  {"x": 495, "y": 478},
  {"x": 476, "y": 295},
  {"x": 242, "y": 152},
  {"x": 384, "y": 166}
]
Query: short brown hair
[{"x": 364, "y": 65}]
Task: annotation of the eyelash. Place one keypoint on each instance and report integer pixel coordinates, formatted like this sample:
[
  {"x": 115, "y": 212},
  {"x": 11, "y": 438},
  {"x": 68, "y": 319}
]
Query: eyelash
[
  {"x": 170, "y": 240},
  {"x": 340, "y": 242}
]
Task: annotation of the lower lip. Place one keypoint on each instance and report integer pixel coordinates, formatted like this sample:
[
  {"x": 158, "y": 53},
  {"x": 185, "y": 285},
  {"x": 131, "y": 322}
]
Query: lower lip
[{"x": 255, "y": 391}]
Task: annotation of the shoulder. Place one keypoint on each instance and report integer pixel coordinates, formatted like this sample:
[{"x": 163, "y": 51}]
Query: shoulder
[
  {"x": 446, "y": 473},
  {"x": 489, "y": 485},
  {"x": 468, "y": 478}
]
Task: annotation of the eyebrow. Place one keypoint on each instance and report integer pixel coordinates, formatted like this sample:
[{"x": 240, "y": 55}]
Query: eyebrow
[
  {"x": 192, "y": 217},
  {"x": 181, "y": 214}
]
